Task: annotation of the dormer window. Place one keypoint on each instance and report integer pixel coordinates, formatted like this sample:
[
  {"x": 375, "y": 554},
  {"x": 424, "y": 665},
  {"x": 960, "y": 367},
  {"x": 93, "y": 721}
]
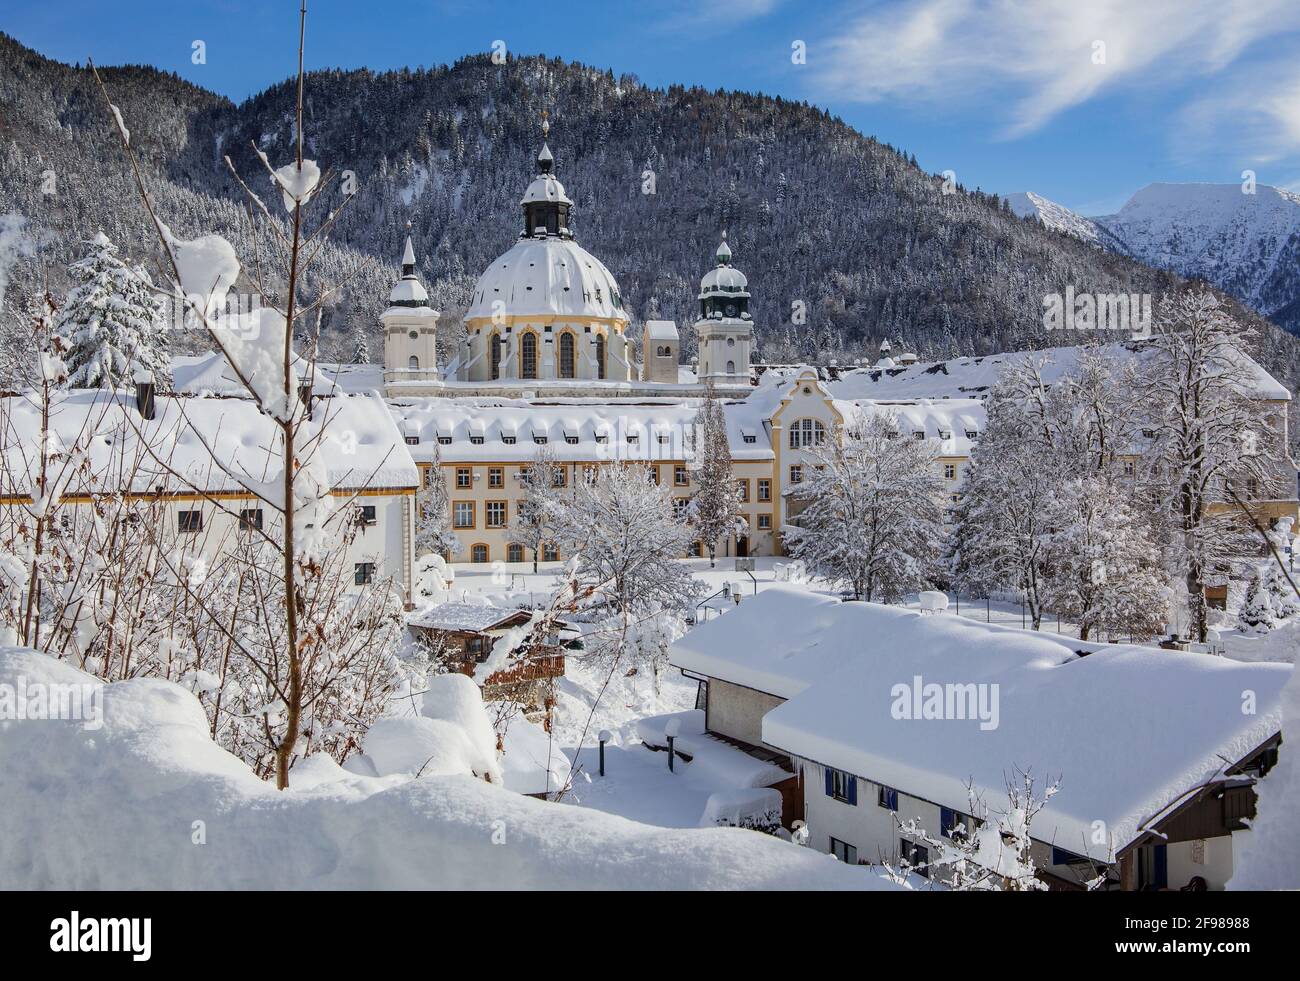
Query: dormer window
[{"x": 444, "y": 440}]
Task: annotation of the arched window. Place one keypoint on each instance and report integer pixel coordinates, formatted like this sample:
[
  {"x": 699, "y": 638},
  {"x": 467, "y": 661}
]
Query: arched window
[
  {"x": 731, "y": 367},
  {"x": 514, "y": 553},
  {"x": 496, "y": 356},
  {"x": 528, "y": 355},
  {"x": 413, "y": 363},
  {"x": 566, "y": 355},
  {"x": 600, "y": 357},
  {"x": 478, "y": 553},
  {"x": 807, "y": 432}
]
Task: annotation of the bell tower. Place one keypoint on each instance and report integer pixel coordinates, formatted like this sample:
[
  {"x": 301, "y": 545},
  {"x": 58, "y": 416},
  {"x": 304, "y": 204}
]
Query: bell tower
[
  {"x": 725, "y": 329},
  {"x": 410, "y": 327}
]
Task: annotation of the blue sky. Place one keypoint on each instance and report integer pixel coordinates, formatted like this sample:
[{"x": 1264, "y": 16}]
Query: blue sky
[{"x": 1083, "y": 101}]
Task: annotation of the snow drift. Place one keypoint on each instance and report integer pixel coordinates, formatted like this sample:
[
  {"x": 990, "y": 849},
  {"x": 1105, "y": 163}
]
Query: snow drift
[{"x": 149, "y": 801}]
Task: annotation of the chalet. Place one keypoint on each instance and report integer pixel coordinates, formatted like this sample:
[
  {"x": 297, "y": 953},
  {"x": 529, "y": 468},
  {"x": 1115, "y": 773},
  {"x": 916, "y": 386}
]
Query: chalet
[
  {"x": 887, "y": 715},
  {"x": 462, "y": 635}
]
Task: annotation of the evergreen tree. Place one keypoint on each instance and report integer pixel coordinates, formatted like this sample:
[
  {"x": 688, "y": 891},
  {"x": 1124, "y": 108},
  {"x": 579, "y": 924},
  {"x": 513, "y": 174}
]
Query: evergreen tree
[
  {"x": 113, "y": 321},
  {"x": 433, "y": 532},
  {"x": 714, "y": 510}
]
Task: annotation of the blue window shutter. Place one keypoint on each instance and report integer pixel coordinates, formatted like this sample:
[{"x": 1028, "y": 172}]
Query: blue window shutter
[
  {"x": 893, "y": 799},
  {"x": 830, "y": 787},
  {"x": 946, "y": 821},
  {"x": 853, "y": 790}
]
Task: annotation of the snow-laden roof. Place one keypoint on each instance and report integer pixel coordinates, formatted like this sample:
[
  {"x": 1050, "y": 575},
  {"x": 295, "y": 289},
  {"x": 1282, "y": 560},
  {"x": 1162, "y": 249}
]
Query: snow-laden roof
[
  {"x": 545, "y": 187},
  {"x": 559, "y": 421},
  {"x": 947, "y": 420},
  {"x": 468, "y": 617},
  {"x": 661, "y": 330},
  {"x": 724, "y": 279},
  {"x": 361, "y": 446},
  {"x": 973, "y": 377},
  {"x": 1128, "y": 730},
  {"x": 210, "y": 374},
  {"x": 545, "y": 277},
  {"x": 406, "y": 291}
]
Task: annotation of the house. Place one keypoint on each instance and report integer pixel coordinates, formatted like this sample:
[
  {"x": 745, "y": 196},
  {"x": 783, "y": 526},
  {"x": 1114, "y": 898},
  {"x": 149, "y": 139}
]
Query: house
[
  {"x": 190, "y": 463},
  {"x": 462, "y": 636},
  {"x": 887, "y": 715}
]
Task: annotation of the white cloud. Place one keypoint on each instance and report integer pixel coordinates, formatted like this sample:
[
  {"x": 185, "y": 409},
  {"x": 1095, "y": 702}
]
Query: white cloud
[
  {"x": 1254, "y": 116},
  {"x": 1036, "y": 55}
]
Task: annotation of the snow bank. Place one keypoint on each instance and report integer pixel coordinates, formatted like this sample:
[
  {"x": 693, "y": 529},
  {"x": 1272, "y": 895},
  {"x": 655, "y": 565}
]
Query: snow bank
[
  {"x": 758, "y": 807},
  {"x": 712, "y": 760},
  {"x": 149, "y": 801},
  {"x": 531, "y": 760}
]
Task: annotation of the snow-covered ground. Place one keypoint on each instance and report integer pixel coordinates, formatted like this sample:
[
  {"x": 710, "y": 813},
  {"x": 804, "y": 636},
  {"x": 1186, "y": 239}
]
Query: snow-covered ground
[{"x": 145, "y": 799}]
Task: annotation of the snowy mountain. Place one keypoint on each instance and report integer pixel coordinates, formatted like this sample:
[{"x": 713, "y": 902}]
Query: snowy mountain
[
  {"x": 816, "y": 212},
  {"x": 1248, "y": 245}
]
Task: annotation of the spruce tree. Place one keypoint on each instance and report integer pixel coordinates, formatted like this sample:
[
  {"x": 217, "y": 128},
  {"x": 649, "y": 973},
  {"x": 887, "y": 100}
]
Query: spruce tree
[
  {"x": 113, "y": 321},
  {"x": 715, "y": 508}
]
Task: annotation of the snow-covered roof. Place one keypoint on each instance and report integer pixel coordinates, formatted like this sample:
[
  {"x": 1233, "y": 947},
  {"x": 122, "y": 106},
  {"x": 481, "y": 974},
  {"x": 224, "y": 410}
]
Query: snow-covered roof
[
  {"x": 468, "y": 617},
  {"x": 661, "y": 330},
  {"x": 559, "y": 420},
  {"x": 361, "y": 446},
  {"x": 407, "y": 291},
  {"x": 973, "y": 377},
  {"x": 724, "y": 279},
  {"x": 1128, "y": 730},
  {"x": 947, "y": 420},
  {"x": 545, "y": 277},
  {"x": 545, "y": 187}
]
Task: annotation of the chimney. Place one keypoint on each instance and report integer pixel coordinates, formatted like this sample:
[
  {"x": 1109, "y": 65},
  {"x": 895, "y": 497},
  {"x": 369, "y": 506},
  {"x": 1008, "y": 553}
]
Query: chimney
[{"x": 144, "y": 389}]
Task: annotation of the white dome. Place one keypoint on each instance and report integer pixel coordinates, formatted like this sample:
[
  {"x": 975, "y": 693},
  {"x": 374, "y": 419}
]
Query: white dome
[
  {"x": 545, "y": 187},
  {"x": 546, "y": 276},
  {"x": 407, "y": 291},
  {"x": 724, "y": 279}
]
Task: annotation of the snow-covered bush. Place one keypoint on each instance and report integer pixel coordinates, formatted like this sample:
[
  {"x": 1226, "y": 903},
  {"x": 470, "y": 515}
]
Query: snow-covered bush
[{"x": 1256, "y": 611}]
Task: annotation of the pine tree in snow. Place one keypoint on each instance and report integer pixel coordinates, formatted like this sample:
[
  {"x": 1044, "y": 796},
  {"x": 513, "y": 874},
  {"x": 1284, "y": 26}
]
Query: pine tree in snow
[
  {"x": 113, "y": 320},
  {"x": 433, "y": 531},
  {"x": 873, "y": 519},
  {"x": 714, "y": 510},
  {"x": 1256, "y": 611},
  {"x": 360, "y": 346}
]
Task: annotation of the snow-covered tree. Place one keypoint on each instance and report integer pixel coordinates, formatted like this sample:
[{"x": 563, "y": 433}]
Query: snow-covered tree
[
  {"x": 1002, "y": 527},
  {"x": 1104, "y": 571},
  {"x": 534, "y": 521},
  {"x": 873, "y": 521},
  {"x": 113, "y": 320},
  {"x": 985, "y": 852},
  {"x": 714, "y": 511},
  {"x": 1209, "y": 439},
  {"x": 360, "y": 346},
  {"x": 1256, "y": 612},
  {"x": 433, "y": 531}
]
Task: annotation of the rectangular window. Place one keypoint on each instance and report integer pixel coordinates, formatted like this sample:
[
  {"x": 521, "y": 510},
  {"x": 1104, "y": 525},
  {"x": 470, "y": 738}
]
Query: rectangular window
[
  {"x": 653, "y": 473},
  {"x": 550, "y": 552},
  {"x": 496, "y": 476},
  {"x": 429, "y": 475},
  {"x": 764, "y": 522},
  {"x": 368, "y": 515},
  {"x": 681, "y": 476},
  {"x": 742, "y": 491},
  {"x": 464, "y": 477},
  {"x": 496, "y": 514},
  {"x": 949, "y": 821},
  {"x": 796, "y": 474},
  {"x": 845, "y": 852},
  {"x": 917, "y": 856},
  {"x": 539, "y": 440},
  {"x": 463, "y": 514},
  {"x": 250, "y": 519},
  {"x": 363, "y": 573},
  {"x": 764, "y": 489},
  {"x": 444, "y": 440},
  {"x": 602, "y": 437},
  {"x": 189, "y": 521},
  {"x": 887, "y": 798},
  {"x": 412, "y": 440},
  {"x": 842, "y": 786},
  {"x": 571, "y": 439},
  {"x": 950, "y": 471},
  {"x": 476, "y": 440},
  {"x": 559, "y": 477},
  {"x": 508, "y": 440},
  {"x": 750, "y": 438}
]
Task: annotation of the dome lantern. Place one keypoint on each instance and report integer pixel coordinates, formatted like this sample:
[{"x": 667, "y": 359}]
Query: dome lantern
[{"x": 546, "y": 205}]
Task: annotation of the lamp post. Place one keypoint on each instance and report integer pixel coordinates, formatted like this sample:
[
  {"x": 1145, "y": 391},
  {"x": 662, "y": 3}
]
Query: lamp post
[{"x": 604, "y": 737}]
